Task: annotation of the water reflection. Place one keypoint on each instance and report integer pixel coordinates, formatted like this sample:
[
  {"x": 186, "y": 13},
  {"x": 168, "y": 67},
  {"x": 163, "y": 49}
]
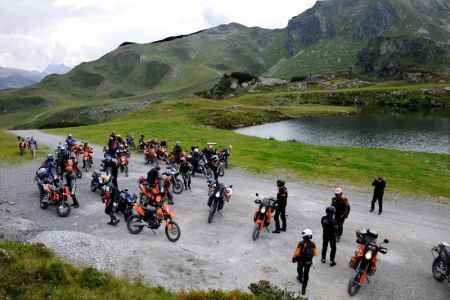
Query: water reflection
[{"x": 412, "y": 131}]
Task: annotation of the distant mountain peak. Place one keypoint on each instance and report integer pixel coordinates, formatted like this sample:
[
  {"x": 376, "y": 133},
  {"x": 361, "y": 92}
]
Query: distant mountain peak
[{"x": 56, "y": 69}]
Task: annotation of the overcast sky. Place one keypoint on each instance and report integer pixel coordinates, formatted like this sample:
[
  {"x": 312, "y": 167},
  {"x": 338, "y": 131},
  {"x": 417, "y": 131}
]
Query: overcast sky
[{"x": 35, "y": 33}]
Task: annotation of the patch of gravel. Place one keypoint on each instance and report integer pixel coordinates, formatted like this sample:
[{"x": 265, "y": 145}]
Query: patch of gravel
[{"x": 81, "y": 248}]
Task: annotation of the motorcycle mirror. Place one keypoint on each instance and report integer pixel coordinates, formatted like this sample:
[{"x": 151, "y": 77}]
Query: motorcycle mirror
[
  {"x": 231, "y": 186},
  {"x": 386, "y": 241},
  {"x": 257, "y": 195},
  {"x": 257, "y": 201}
]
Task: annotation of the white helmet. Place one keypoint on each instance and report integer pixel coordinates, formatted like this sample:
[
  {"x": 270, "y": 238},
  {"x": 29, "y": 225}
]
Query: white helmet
[
  {"x": 196, "y": 150},
  {"x": 42, "y": 171},
  {"x": 307, "y": 234},
  {"x": 230, "y": 147}
]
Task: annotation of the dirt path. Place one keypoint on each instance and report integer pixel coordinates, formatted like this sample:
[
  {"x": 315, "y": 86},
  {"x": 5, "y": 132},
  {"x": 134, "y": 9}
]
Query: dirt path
[{"x": 222, "y": 254}]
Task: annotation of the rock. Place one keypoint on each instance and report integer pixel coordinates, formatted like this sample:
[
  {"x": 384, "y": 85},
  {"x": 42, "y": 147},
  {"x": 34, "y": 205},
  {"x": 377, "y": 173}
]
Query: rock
[
  {"x": 268, "y": 82},
  {"x": 4, "y": 256},
  {"x": 447, "y": 89}
]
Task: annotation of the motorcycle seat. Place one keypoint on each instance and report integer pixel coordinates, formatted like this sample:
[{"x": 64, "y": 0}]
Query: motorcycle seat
[{"x": 149, "y": 210}]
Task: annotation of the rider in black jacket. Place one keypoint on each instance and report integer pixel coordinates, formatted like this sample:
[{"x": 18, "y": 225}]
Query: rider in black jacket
[{"x": 329, "y": 226}]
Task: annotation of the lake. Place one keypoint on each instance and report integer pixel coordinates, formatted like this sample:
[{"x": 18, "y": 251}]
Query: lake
[{"x": 423, "y": 132}]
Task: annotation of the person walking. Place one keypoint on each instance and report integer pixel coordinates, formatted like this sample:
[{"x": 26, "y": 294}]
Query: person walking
[
  {"x": 303, "y": 256},
  {"x": 342, "y": 206},
  {"x": 380, "y": 184},
  {"x": 282, "y": 196},
  {"x": 329, "y": 226}
]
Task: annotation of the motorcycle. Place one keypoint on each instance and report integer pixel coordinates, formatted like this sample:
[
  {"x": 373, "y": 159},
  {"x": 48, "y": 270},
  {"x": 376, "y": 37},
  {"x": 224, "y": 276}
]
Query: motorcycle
[
  {"x": 56, "y": 195},
  {"x": 123, "y": 163},
  {"x": 202, "y": 168},
  {"x": 151, "y": 195},
  {"x": 364, "y": 262},
  {"x": 150, "y": 156},
  {"x": 217, "y": 198},
  {"x": 87, "y": 161},
  {"x": 125, "y": 203},
  {"x": 224, "y": 157},
  {"x": 129, "y": 139},
  {"x": 263, "y": 215},
  {"x": 441, "y": 263},
  {"x": 172, "y": 172},
  {"x": 96, "y": 182},
  {"x": 152, "y": 217}
]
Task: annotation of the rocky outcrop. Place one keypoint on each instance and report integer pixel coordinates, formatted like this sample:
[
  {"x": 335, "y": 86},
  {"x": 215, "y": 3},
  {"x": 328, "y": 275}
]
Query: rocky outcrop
[{"x": 385, "y": 57}]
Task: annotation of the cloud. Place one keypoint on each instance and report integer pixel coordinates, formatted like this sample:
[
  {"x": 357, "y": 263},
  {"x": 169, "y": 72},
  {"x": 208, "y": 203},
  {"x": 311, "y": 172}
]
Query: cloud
[
  {"x": 212, "y": 18},
  {"x": 34, "y": 34}
]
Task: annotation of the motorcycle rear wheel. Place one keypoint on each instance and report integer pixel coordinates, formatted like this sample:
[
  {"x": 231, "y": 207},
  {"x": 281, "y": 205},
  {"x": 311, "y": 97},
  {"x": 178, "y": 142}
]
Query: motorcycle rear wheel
[
  {"x": 93, "y": 186},
  {"x": 79, "y": 174},
  {"x": 63, "y": 209},
  {"x": 256, "y": 232},
  {"x": 438, "y": 264},
  {"x": 353, "y": 284},
  {"x": 208, "y": 173},
  {"x": 173, "y": 234},
  {"x": 126, "y": 170},
  {"x": 221, "y": 171},
  {"x": 131, "y": 224},
  {"x": 44, "y": 204},
  {"x": 177, "y": 186}
]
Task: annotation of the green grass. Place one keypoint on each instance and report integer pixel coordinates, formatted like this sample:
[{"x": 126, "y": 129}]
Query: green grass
[
  {"x": 9, "y": 150},
  {"x": 407, "y": 172},
  {"x": 31, "y": 271}
]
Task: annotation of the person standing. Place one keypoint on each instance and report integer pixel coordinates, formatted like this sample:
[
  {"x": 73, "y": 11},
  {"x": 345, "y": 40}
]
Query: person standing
[
  {"x": 342, "y": 206},
  {"x": 303, "y": 256},
  {"x": 329, "y": 226},
  {"x": 71, "y": 181},
  {"x": 110, "y": 196},
  {"x": 282, "y": 196},
  {"x": 380, "y": 184},
  {"x": 185, "y": 169},
  {"x": 32, "y": 145}
]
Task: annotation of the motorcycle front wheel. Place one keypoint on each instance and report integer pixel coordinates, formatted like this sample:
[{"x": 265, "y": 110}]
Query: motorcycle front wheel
[
  {"x": 353, "y": 284},
  {"x": 221, "y": 171},
  {"x": 211, "y": 215},
  {"x": 93, "y": 186},
  {"x": 438, "y": 269},
  {"x": 79, "y": 174},
  {"x": 208, "y": 173},
  {"x": 256, "y": 232},
  {"x": 133, "y": 224},
  {"x": 177, "y": 186},
  {"x": 63, "y": 209},
  {"x": 44, "y": 201},
  {"x": 173, "y": 232}
]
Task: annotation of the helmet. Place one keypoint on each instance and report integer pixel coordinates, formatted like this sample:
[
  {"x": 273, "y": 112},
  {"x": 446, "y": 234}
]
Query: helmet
[
  {"x": 307, "y": 234},
  {"x": 372, "y": 233},
  {"x": 178, "y": 143},
  {"x": 108, "y": 159},
  {"x": 338, "y": 191},
  {"x": 214, "y": 157},
  {"x": 330, "y": 210},
  {"x": 280, "y": 183},
  {"x": 70, "y": 135},
  {"x": 196, "y": 150},
  {"x": 183, "y": 159},
  {"x": 118, "y": 135},
  {"x": 85, "y": 144},
  {"x": 106, "y": 179},
  {"x": 42, "y": 171},
  {"x": 210, "y": 146},
  {"x": 230, "y": 147},
  {"x": 49, "y": 155}
]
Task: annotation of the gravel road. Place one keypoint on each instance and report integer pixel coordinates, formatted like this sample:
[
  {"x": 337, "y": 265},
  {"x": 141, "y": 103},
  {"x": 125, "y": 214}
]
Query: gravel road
[{"x": 222, "y": 254}]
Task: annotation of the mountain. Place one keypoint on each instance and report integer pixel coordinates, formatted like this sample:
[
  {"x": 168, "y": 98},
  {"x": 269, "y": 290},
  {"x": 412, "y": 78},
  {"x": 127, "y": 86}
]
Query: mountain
[
  {"x": 18, "y": 78},
  {"x": 369, "y": 34}
]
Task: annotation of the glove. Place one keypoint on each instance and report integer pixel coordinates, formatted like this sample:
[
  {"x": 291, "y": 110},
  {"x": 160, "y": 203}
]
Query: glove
[{"x": 294, "y": 260}]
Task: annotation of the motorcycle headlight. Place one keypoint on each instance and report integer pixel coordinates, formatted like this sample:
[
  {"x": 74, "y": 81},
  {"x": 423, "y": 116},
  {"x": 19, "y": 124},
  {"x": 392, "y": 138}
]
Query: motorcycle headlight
[
  {"x": 368, "y": 255},
  {"x": 263, "y": 210},
  {"x": 217, "y": 195}
]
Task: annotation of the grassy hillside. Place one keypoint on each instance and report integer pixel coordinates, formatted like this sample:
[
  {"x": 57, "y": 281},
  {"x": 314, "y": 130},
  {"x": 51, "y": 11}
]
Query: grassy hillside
[
  {"x": 348, "y": 166},
  {"x": 31, "y": 271},
  {"x": 9, "y": 153}
]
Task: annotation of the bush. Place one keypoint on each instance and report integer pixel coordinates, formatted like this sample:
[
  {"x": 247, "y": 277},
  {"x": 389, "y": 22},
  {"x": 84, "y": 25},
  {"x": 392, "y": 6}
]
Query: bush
[
  {"x": 92, "y": 278},
  {"x": 271, "y": 292},
  {"x": 243, "y": 77}
]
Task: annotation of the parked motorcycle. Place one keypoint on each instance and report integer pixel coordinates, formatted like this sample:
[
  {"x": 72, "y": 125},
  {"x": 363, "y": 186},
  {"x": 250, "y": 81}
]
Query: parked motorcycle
[
  {"x": 96, "y": 182},
  {"x": 123, "y": 164},
  {"x": 364, "y": 262},
  {"x": 172, "y": 172},
  {"x": 263, "y": 214},
  {"x": 152, "y": 217},
  {"x": 129, "y": 139},
  {"x": 56, "y": 195},
  {"x": 87, "y": 161},
  {"x": 202, "y": 168},
  {"x": 150, "y": 156},
  {"x": 217, "y": 198},
  {"x": 441, "y": 263},
  {"x": 224, "y": 156},
  {"x": 125, "y": 203}
]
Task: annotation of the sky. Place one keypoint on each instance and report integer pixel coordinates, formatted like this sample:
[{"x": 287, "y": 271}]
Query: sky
[{"x": 36, "y": 33}]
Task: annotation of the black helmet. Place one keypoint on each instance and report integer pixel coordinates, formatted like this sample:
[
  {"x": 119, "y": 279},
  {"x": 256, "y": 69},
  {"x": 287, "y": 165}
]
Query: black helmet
[
  {"x": 330, "y": 210},
  {"x": 280, "y": 183}
]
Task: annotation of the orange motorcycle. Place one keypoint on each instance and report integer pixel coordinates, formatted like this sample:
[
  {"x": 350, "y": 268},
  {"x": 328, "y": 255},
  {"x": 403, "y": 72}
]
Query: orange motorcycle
[
  {"x": 151, "y": 156},
  {"x": 152, "y": 217},
  {"x": 263, "y": 215},
  {"x": 123, "y": 164},
  {"x": 87, "y": 160},
  {"x": 364, "y": 262},
  {"x": 56, "y": 195}
]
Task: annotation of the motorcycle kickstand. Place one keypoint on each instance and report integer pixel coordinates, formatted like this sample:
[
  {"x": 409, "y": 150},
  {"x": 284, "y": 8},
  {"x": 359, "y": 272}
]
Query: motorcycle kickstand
[
  {"x": 220, "y": 213},
  {"x": 154, "y": 232}
]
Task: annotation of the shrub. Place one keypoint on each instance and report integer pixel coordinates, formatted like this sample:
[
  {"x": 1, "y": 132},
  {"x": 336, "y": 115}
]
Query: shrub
[{"x": 271, "y": 292}]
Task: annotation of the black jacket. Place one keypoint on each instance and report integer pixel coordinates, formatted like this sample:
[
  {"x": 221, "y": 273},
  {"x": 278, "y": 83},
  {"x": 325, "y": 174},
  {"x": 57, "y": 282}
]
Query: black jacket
[
  {"x": 342, "y": 206},
  {"x": 379, "y": 186},
  {"x": 282, "y": 196},
  {"x": 329, "y": 226}
]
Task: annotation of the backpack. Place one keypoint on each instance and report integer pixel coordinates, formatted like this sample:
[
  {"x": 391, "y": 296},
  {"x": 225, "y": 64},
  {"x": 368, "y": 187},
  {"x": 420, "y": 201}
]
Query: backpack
[{"x": 307, "y": 253}]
